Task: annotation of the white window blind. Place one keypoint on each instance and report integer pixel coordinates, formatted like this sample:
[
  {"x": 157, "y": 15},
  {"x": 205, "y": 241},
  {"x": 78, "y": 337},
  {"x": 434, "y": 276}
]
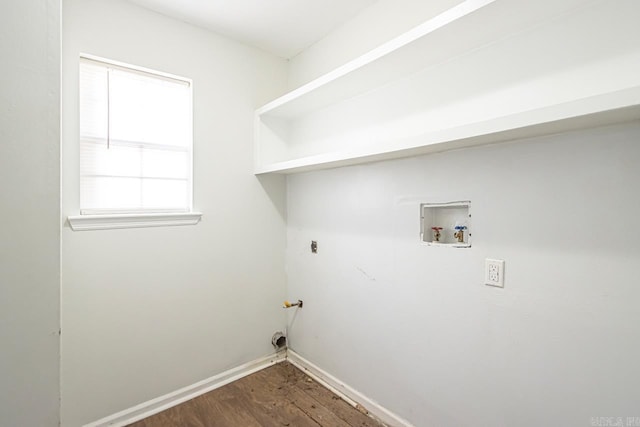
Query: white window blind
[{"x": 135, "y": 140}]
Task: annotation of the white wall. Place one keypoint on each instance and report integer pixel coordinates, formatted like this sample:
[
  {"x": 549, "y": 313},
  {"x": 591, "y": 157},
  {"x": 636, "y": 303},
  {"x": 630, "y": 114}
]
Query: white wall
[
  {"x": 413, "y": 326},
  {"x": 147, "y": 311},
  {"x": 30, "y": 195}
]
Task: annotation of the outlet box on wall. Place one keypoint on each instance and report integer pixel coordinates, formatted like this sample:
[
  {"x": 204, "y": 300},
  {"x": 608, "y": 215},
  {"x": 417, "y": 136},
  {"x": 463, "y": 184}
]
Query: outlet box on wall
[
  {"x": 494, "y": 272},
  {"x": 446, "y": 224}
]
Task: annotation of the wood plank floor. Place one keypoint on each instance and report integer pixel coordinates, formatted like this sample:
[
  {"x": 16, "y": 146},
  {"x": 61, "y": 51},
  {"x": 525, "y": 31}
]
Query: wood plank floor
[{"x": 280, "y": 395}]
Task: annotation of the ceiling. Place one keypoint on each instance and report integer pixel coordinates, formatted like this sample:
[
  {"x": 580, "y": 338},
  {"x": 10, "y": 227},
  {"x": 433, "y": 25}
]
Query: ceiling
[{"x": 282, "y": 27}]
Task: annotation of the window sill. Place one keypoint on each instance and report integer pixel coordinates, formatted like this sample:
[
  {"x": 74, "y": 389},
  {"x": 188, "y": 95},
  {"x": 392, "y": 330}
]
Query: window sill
[{"x": 114, "y": 221}]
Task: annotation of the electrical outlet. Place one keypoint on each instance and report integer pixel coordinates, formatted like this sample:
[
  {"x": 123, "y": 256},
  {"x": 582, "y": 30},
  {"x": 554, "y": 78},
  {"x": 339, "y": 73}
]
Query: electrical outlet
[{"x": 494, "y": 272}]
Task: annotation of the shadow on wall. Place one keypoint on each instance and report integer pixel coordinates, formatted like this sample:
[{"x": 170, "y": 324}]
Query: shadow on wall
[{"x": 275, "y": 188}]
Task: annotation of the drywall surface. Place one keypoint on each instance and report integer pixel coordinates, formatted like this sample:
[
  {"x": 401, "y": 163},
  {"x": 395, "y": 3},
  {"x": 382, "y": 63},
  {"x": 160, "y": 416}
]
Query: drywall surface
[
  {"x": 413, "y": 326},
  {"x": 147, "y": 311},
  {"x": 30, "y": 195},
  {"x": 376, "y": 24}
]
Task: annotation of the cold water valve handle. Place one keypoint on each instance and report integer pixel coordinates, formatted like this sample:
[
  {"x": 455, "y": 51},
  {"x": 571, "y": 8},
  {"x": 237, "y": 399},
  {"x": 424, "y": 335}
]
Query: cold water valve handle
[
  {"x": 288, "y": 304},
  {"x": 459, "y": 234}
]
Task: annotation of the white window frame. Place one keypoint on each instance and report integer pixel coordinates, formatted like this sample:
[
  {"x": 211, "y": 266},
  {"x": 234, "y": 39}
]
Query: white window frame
[{"x": 100, "y": 220}]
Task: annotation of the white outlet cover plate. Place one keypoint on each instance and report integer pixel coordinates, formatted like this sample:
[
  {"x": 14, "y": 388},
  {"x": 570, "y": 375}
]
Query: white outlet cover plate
[{"x": 494, "y": 272}]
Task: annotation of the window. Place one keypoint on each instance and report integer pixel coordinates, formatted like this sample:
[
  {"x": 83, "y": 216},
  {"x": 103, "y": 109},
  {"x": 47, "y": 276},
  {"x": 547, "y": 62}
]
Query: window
[{"x": 135, "y": 140}]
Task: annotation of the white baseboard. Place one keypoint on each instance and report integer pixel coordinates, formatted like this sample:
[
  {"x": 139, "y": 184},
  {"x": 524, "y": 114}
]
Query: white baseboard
[
  {"x": 169, "y": 400},
  {"x": 350, "y": 395}
]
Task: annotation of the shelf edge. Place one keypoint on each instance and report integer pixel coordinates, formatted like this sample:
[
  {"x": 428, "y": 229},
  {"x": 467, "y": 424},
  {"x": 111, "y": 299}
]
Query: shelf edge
[{"x": 624, "y": 108}]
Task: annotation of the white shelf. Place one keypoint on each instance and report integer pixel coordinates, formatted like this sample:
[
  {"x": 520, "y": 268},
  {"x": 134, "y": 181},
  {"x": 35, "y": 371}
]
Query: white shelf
[
  {"x": 483, "y": 71},
  {"x": 355, "y": 76}
]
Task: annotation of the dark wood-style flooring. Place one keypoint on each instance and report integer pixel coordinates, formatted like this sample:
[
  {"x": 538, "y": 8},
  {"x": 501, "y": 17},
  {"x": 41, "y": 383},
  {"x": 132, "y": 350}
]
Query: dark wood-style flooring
[{"x": 280, "y": 395}]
